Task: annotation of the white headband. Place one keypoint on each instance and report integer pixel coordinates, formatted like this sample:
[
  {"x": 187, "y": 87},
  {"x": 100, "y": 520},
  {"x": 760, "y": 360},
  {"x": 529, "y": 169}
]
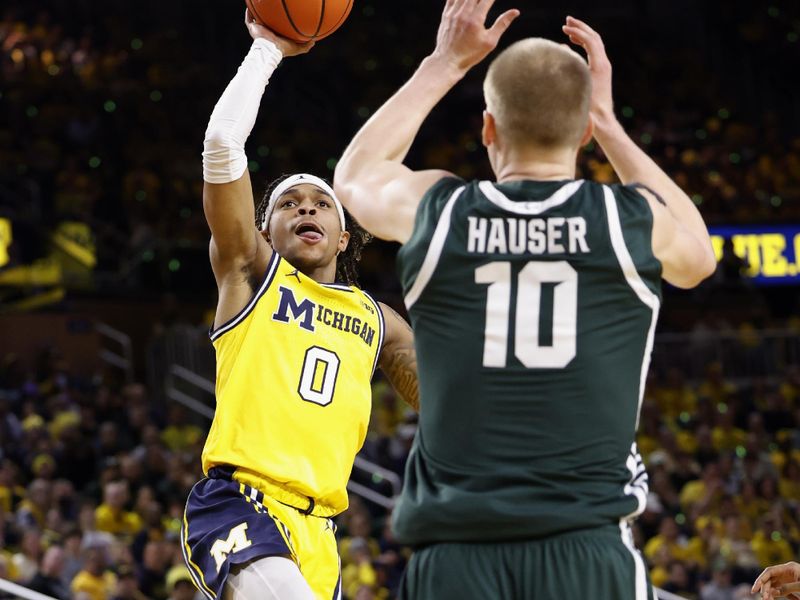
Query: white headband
[{"x": 299, "y": 179}]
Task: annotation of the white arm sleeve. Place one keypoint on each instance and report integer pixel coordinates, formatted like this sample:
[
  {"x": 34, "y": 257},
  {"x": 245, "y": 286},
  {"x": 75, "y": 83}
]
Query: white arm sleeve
[{"x": 235, "y": 114}]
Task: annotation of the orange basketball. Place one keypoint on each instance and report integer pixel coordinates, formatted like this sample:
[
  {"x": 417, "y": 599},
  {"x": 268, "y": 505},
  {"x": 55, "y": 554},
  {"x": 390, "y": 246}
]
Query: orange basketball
[{"x": 301, "y": 20}]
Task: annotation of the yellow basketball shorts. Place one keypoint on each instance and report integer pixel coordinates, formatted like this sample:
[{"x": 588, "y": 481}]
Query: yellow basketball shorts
[{"x": 227, "y": 523}]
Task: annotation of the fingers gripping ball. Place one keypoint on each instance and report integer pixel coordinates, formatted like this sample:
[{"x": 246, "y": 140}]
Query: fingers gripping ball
[{"x": 301, "y": 20}]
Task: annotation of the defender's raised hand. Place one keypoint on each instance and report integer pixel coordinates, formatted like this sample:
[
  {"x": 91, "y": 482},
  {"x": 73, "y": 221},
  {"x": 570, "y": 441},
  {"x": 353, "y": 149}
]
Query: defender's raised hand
[
  {"x": 463, "y": 39},
  {"x": 581, "y": 34},
  {"x": 286, "y": 46},
  {"x": 780, "y": 581}
]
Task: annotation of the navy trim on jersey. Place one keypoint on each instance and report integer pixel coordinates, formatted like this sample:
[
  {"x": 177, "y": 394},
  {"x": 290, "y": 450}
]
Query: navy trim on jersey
[
  {"x": 337, "y": 592},
  {"x": 381, "y": 326},
  {"x": 272, "y": 268}
]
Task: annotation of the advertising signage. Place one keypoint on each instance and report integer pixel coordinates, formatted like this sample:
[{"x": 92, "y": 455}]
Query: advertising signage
[{"x": 771, "y": 253}]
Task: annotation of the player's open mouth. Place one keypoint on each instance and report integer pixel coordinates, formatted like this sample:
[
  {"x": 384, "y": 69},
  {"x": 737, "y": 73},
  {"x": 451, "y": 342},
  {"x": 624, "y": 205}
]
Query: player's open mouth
[{"x": 309, "y": 232}]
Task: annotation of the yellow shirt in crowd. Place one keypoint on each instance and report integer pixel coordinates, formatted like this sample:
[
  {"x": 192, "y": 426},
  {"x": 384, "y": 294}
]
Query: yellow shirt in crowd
[
  {"x": 117, "y": 522},
  {"x": 97, "y": 588}
]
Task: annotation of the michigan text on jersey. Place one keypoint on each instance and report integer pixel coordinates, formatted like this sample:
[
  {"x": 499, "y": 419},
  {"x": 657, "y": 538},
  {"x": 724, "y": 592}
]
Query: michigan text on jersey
[{"x": 306, "y": 312}]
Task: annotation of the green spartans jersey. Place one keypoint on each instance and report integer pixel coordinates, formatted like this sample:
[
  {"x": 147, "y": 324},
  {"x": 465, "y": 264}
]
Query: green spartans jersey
[{"x": 534, "y": 307}]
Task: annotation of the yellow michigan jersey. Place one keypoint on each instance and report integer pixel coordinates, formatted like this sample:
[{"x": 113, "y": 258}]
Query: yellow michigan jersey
[{"x": 293, "y": 388}]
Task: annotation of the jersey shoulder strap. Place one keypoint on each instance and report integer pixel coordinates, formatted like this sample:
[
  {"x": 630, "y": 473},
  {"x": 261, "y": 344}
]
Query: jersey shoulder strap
[
  {"x": 432, "y": 204},
  {"x": 429, "y": 212},
  {"x": 636, "y": 221}
]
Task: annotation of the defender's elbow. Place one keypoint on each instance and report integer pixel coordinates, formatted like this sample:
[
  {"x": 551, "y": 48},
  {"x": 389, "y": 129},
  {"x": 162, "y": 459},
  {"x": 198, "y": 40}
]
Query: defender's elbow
[
  {"x": 707, "y": 263},
  {"x": 344, "y": 175},
  {"x": 690, "y": 278},
  {"x": 343, "y": 185},
  {"x": 709, "y": 266},
  {"x": 341, "y": 190}
]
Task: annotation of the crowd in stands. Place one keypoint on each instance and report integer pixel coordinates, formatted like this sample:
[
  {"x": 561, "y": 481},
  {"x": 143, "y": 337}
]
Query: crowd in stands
[
  {"x": 92, "y": 486},
  {"x": 94, "y": 476}
]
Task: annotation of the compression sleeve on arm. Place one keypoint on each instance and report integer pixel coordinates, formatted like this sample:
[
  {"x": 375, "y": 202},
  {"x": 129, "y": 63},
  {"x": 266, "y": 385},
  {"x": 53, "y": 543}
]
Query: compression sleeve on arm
[{"x": 235, "y": 114}]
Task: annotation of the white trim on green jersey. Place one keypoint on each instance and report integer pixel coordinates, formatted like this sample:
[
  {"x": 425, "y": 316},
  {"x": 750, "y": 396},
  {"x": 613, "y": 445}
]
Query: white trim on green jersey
[
  {"x": 639, "y": 485},
  {"x": 434, "y": 251},
  {"x": 641, "y": 574},
  {"x": 635, "y": 282},
  {"x": 531, "y": 207}
]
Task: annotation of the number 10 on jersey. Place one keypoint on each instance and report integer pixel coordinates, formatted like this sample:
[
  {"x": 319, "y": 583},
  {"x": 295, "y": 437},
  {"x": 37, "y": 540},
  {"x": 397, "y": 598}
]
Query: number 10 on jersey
[{"x": 527, "y": 347}]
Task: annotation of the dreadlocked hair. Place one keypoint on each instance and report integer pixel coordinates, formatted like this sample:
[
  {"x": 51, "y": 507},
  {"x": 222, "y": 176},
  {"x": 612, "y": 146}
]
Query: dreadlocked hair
[{"x": 347, "y": 261}]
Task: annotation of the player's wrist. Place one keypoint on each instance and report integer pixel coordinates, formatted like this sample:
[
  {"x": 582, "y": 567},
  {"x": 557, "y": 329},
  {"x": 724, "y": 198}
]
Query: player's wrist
[
  {"x": 443, "y": 67},
  {"x": 270, "y": 47},
  {"x": 606, "y": 125}
]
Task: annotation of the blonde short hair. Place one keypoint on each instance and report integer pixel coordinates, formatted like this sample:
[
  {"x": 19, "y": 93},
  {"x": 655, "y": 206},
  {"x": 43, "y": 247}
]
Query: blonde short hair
[{"x": 539, "y": 92}]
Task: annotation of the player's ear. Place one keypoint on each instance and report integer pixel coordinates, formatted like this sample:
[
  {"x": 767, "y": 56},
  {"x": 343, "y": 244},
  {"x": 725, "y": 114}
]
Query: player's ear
[
  {"x": 587, "y": 135},
  {"x": 489, "y": 130},
  {"x": 344, "y": 240}
]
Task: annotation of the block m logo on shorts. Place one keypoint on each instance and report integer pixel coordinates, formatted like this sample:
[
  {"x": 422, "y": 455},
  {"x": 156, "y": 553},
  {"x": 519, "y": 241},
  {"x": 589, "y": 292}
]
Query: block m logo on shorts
[{"x": 237, "y": 540}]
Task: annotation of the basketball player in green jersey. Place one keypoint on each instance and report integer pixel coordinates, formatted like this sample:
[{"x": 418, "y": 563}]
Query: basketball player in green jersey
[{"x": 534, "y": 301}]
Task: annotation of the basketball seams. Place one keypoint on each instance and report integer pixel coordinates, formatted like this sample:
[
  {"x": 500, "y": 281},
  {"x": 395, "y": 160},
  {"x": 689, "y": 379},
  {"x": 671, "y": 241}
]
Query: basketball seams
[
  {"x": 288, "y": 14},
  {"x": 321, "y": 18},
  {"x": 338, "y": 23}
]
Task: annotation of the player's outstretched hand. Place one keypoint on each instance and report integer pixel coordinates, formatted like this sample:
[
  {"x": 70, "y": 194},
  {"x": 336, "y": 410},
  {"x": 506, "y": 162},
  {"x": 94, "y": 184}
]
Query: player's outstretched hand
[
  {"x": 780, "y": 581},
  {"x": 286, "y": 46},
  {"x": 463, "y": 39},
  {"x": 581, "y": 34}
]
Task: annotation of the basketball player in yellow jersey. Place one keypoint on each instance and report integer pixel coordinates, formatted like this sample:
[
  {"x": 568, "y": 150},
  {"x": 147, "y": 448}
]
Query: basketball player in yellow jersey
[{"x": 296, "y": 349}]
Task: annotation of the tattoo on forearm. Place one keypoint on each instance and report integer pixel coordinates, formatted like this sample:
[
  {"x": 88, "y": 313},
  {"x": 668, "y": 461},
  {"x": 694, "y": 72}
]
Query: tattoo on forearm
[{"x": 402, "y": 373}]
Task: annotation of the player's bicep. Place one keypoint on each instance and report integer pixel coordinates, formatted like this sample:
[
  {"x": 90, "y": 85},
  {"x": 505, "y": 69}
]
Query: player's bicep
[
  {"x": 678, "y": 250},
  {"x": 230, "y": 214},
  {"x": 385, "y": 201}
]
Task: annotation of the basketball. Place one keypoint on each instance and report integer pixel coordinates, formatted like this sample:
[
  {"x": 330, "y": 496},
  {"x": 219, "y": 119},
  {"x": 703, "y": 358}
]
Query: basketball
[{"x": 301, "y": 20}]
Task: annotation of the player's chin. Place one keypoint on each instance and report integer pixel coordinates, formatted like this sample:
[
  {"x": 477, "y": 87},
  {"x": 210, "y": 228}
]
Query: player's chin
[{"x": 303, "y": 254}]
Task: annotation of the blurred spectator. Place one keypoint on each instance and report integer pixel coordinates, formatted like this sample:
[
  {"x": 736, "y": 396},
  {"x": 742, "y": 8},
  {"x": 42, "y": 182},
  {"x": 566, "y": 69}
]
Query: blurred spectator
[
  {"x": 111, "y": 515},
  {"x": 721, "y": 586},
  {"x": 156, "y": 561},
  {"x": 32, "y": 511},
  {"x": 179, "y": 584},
  {"x": 769, "y": 543},
  {"x": 359, "y": 576},
  {"x": 179, "y": 435},
  {"x": 668, "y": 538},
  {"x": 734, "y": 546},
  {"x": 73, "y": 555},
  {"x": 49, "y": 578},
  {"x": 127, "y": 587},
  {"x": 679, "y": 581},
  {"x": 94, "y": 580},
  {"x": 26, "y": 561}
]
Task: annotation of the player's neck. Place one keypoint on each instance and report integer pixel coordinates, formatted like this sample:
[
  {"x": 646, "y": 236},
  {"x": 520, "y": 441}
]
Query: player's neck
[
  {"x": 325, "y": 274},
  {"x": 534, "y": 163}
]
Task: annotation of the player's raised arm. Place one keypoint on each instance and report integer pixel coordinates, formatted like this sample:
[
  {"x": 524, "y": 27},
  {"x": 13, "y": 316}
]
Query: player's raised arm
[
  {"x": 680, "y": 237},
  {"x": 398, "y": 359},
  {"x": 370, "y": 178},
  {"x": 237, "y": 247}
]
